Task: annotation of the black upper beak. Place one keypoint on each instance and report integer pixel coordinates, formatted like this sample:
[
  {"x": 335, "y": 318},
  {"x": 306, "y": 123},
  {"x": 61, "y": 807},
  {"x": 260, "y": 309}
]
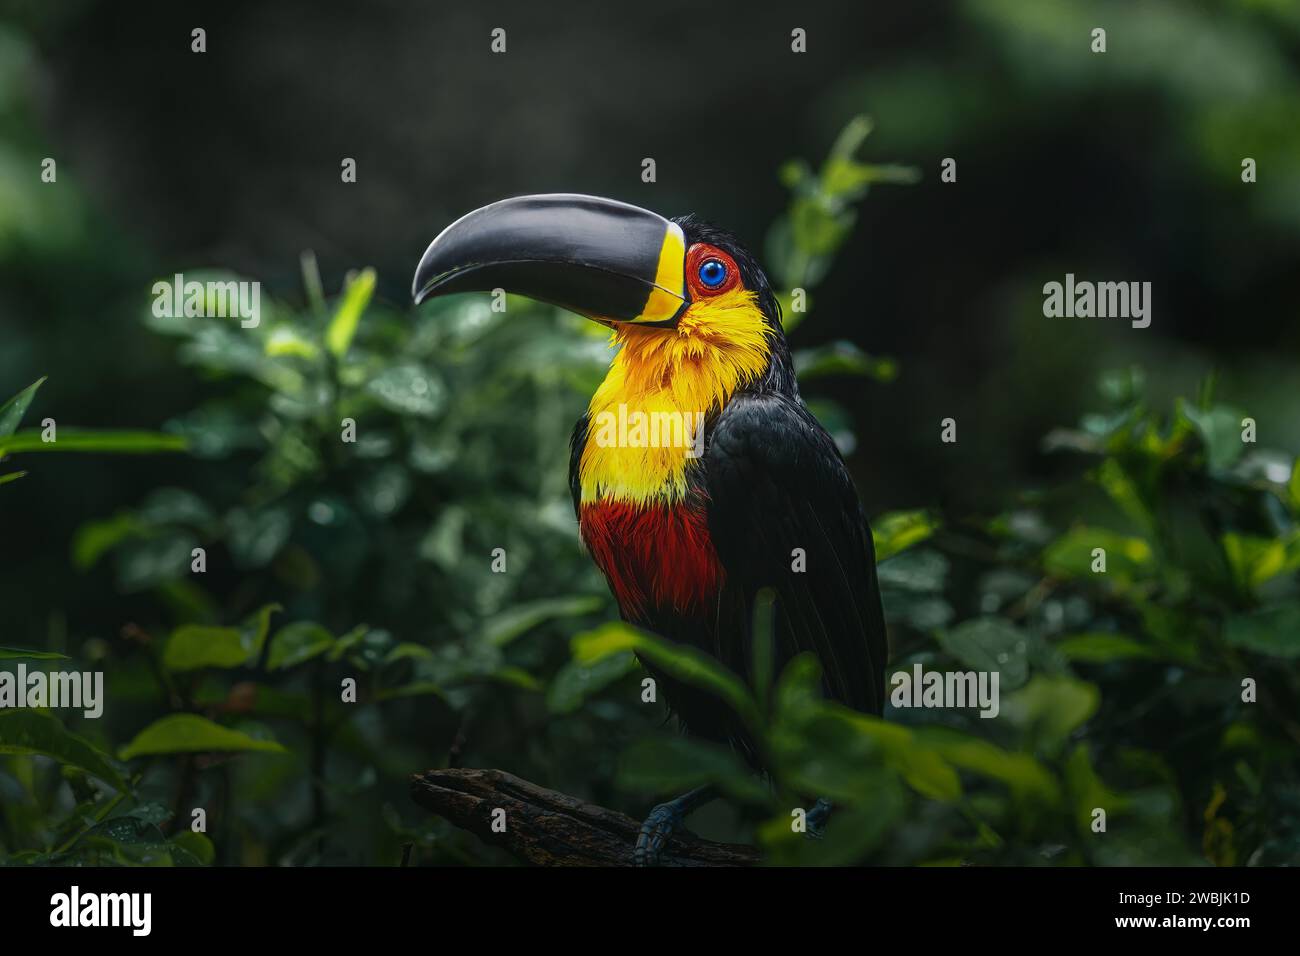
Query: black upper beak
[{"x": 598, "y": 257}]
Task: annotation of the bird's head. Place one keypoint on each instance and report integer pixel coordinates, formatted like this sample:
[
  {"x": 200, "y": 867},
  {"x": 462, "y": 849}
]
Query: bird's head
[{"x": 681, "y": 289}]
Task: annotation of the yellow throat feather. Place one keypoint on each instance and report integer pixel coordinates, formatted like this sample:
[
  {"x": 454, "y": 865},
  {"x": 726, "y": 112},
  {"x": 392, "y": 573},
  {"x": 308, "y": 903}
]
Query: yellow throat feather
[{"x": 720, "y": 344}]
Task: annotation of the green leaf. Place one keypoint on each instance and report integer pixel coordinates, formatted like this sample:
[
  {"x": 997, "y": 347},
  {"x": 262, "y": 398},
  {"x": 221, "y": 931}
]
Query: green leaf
[
  {"x": 1256, "y": 560},
  {"x": 257, "y": 535},
  {"x": 151, "y": 813},
  {"x": 12, "y": 476},
  {"x": 39, "y": 732},
  {"x": 1025, "y": 776},
  {"x": 1102, "y": 647},
  {"x": 1274, "y": 631},
  {"x": 896, "y": 531},
  {"x": 844, "y": 178},
  {"x": 990, "y": 644},
  {"x": 1087, "y": 791},
  {"x": 86, "y": 440},
  {"x": 842, "y": 358},
  {"x": 258, "y": 624},
  {"x": 195, "y": 645},
  {"x": 925, "y": 770},
  {"x": 850, "y": 139},
  {"x": 190, "y": 733},
  {"x": 409, "y": 389},
  {"x": 297, "y": 643},
  {"x": 132, "y": 838},
  {"x": 408, "y": 650},
  {"x": 1126, "y": 493},
  {"x": 575, "y": 682},
  {"x": 196, "y": 846},
  {"x": 920, "y": 571},
  {"x": 851, "y": 833},
  {"x": 825, "y": 748},
  {"x": 1071, "y": 555},
  {"x": 818, "y": 752},
  {"x": 515, "y": 677},
  {"x": 1049, "y": 709},
  {"x": 798, "y": 692},
  {"x": 1220, "y": 431},
  {"x": 522, "y": 618},
  {"x": 344, "y": 324},
  {"x": 383, "y": 491},
  {"x": 286, "y": 340},
  {"x": 94, "y": 538},
  {"x": 421, "y": 688},
  {"x": 18, "y": 653},
  {"x": 311, "y": 281},
  {"x": 12, "y": 411},
  {"x": 679, "y": 661},
  {"x": 164, "y": 506},
  {"x": 817, "y": 230},
  {"x": 348, "y": 641},
  {"x": 444, "y": 542},
  {"x": 156, "y": 560},
  {"x": 671, "y": 764}
]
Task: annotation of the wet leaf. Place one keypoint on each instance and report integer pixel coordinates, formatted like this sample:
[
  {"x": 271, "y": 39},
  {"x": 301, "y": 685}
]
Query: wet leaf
[
  {"x": 39, "y": 732},
  {"x": 190, "y": 733},
  {"x": 408, "y": 389},
  {"x": 990, "y": 644}
]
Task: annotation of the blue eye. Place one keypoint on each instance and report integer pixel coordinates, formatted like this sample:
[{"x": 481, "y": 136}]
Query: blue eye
[{"x": 713, "y": 272}]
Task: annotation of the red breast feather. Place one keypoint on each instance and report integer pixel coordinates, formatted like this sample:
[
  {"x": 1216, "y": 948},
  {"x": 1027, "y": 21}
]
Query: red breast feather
[{"x": 655, "y": 556}]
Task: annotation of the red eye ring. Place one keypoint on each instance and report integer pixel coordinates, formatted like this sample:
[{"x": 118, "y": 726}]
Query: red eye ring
[{"x": 702, "y": 260}]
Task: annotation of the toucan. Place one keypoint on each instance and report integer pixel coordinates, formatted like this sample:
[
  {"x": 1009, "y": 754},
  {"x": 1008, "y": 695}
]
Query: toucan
[{"x": 689, "y": 532}]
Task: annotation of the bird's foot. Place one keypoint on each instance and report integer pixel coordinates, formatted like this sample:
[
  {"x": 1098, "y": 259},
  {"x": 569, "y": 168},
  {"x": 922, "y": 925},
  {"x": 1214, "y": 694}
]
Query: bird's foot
[
  {"x": 656, "y": 831},
  {"x": 663, "y": 822},
  {"x": 817, "y": 817}
]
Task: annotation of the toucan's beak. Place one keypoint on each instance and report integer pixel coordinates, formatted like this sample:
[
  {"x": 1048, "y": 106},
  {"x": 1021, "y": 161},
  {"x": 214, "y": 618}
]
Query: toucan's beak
[{"x": 603, "y": 259}]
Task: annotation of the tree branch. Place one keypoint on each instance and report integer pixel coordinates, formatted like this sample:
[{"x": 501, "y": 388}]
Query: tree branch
[{"x": 549, "y": 828}]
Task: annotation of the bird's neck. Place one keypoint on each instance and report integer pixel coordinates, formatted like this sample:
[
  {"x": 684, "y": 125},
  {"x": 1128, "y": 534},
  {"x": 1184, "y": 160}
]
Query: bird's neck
[{"x": 670, "y": 381}]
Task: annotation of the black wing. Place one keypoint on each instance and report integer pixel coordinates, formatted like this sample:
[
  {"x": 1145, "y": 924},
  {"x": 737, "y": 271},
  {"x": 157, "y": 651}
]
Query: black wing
[
  {"x": 577, "y": 441},
  {"x": 776, "y": 482}
]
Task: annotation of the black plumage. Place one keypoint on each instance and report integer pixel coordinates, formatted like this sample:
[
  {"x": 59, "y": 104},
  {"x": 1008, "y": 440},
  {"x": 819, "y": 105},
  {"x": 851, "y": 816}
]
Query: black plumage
[{"x": 771, "y": 481}]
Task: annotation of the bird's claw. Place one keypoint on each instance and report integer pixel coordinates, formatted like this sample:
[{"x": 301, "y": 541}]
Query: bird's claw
[
  {"x": 815, "y": 821},
  {"x": 656, "y": 831}
]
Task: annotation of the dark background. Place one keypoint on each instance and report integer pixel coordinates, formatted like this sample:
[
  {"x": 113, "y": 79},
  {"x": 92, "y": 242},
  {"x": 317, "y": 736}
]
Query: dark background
[{"x": 1067, "y": 161}]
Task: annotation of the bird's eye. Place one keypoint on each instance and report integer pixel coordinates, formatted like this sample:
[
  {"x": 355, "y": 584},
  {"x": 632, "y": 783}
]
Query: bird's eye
[
  {"x": 713, "y": 272},
  {"x": 710, "y": 271}
]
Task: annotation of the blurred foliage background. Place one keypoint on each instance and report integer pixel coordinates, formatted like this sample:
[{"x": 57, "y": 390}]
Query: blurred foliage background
[{"x": 371, "y": 560}]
